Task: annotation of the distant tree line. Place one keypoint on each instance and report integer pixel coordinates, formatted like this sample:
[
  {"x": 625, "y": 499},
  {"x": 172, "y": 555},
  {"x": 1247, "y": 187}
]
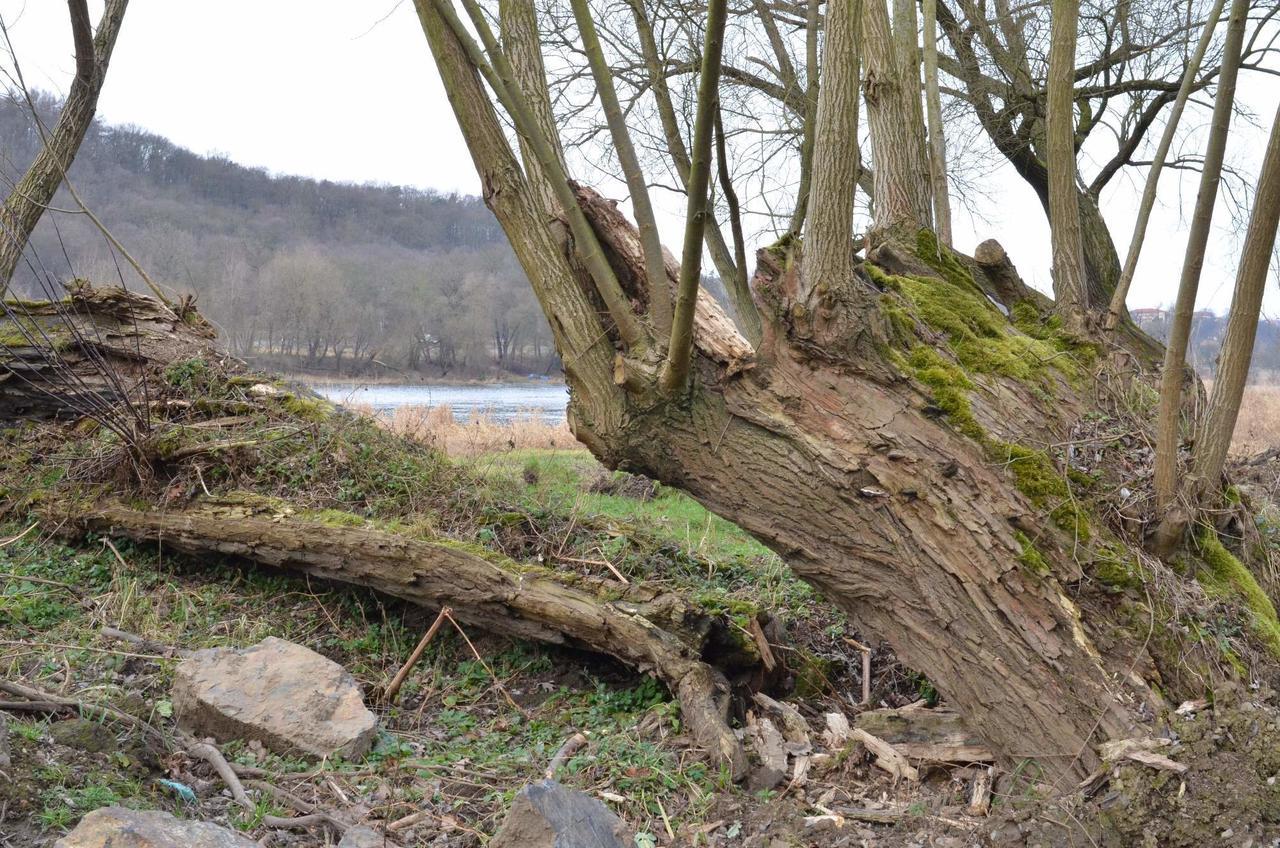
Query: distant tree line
[
  {"x": 1205, "y": 342},
  {"x": 298, "y": 273}
]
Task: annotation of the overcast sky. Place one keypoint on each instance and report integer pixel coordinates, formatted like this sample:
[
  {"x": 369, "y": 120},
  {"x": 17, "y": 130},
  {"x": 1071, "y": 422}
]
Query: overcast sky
[{"x": 346, "y": 91}]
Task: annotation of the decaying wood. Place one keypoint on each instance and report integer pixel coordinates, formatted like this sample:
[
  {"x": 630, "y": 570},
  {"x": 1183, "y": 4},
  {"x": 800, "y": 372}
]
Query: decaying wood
[
  {"x": 887, "y": 756},
  {"x": 53, "y": 356},
  {"x": 930, "y": 735},
  {"x": 482, "y": 589},
  {"x": 980, "y": 793}
]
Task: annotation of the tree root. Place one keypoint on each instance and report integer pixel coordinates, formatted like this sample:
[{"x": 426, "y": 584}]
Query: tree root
[{"x": 656, "y": 633}]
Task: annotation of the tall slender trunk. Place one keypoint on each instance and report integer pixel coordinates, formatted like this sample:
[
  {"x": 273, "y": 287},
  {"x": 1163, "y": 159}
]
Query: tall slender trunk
[
  {"x": 655, "y": 267},
  {"x": 937, "y": 141},
  {"x": 813, "y": 20},
  {"x": 1070, "y": 285},
  {"x": 735, "y": 279},
  {"x": 829, "y": 241},
  {"x": 522, "y": 42},
  {"x": 1116, "y": 308},
  {"x": 1219, "y": 423},
  {"x": 1173, "y": 372},
  {"x": 34, "y": 192},
  {"x": 891, "y": 87},
  {"x": 675, "y": 373}
]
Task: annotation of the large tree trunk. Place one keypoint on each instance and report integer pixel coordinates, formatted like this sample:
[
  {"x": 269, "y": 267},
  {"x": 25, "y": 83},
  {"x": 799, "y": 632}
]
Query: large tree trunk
[
  {"x": 894, "y": 487},
  {"x": 33, "y": 193}
]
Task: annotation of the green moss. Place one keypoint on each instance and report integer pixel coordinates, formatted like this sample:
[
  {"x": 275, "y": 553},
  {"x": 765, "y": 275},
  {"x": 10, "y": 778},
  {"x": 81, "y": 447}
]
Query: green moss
[
  {"x": 949, "y": 387},
  {"x": 980, "y": 336},
  {"x": 307, "y": 408},
  {"x": 1231, "y": 495},
  {"x": 1225, "y": 576},
  {"x": 1031, "y": 559},
  {"x": 813, "y": 675},
  {"x": 1038, "y": 479},
  {"x": 333, "y": 518},
  {"x": 21, "y": 331},
  {"x": 1115, "y": 568}
]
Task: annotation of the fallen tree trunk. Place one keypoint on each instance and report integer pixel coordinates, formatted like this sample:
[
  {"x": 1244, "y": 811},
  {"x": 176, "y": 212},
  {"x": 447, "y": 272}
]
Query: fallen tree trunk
[{"x": 657, "y": 633}]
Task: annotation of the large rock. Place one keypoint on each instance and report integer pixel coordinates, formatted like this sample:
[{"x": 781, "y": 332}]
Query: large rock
[
  {"x": 548, "y": 815},
  {"x": 118, "y": 827},
  {"x": 288, "y": 697}
]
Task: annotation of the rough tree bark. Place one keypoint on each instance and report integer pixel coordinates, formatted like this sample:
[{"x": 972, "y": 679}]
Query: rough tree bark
[
  {"x": 1070, "y": 284},
  {"x": 891, "y": 87},
  {"x": 826, "y": 451},
  {"x": 34, "y": 192}
]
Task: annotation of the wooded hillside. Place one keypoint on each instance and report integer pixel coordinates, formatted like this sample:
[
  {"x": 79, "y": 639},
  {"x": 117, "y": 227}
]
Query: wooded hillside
[{"x": 297, "y": 272}]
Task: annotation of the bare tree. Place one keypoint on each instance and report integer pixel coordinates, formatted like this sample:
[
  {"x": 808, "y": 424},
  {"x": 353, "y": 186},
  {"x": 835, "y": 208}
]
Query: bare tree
[
  {"x": 1214, "y": 433},
  {"x": 849, "y": 439},
  {"x": 1174, "y": 370},
  {"x": 35, "y": 190},
  {"x": 891, "y": 88},
  {"x": 1148, "y": 202},
  {"x": 829, "y": 242}
]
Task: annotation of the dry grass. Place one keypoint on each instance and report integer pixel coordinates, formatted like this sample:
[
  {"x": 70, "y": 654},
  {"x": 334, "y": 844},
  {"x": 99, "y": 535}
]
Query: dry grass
[
  {"x": 479, "y": 434},
  {"x": 1258, "y": 428}
]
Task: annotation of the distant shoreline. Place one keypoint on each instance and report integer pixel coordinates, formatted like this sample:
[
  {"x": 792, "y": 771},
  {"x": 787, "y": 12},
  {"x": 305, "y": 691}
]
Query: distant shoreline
[{"x": 419, "y": 380}]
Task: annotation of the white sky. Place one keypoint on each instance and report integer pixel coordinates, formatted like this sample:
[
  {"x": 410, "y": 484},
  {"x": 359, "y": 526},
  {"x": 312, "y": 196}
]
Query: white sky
[{"x": 346, "y": 91}]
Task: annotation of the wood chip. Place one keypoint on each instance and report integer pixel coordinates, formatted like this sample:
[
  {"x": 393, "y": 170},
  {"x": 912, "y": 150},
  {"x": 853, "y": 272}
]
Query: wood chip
[
  {"x": 887, "y": 757},
  {"x": 837, "y": 732},
  {"x": 980, "y": 794},
  {"x": 794, "y": 727},
  {"x": 1156, "y": 761}
]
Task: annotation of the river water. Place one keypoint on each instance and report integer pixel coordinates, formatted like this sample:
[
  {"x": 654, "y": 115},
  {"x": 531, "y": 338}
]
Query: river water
[{"x": 500, "y": 401}]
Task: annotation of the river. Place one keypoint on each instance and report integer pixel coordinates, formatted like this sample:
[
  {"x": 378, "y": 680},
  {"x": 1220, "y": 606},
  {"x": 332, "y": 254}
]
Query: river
[{"x": 500, "y": 401}]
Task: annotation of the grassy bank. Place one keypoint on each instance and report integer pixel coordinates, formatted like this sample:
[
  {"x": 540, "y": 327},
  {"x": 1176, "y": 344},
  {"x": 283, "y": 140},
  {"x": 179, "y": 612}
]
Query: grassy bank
[{"x": 471, "y": 726}]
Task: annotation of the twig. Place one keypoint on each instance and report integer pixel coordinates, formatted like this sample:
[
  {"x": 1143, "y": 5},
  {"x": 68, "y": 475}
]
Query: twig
[
  {"x": 7, "y": 542},
  {"x": 213, "y": 757},
  {"x": 305, "y": 822},
  {"x": 34, "y": 706},
  {"x": 616, "y": 573},
  {"x": 567, "y": 750},
  {"x": 393, "y": 688},
  {"x": 61, "y": 647}
]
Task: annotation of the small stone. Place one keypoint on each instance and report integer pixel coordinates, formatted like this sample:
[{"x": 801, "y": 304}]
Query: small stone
[
  {"x": 117, "y": 827},
  {"x": 364, "y": 837},
  {"x": 765, "y": 778},
  {"x": 548, "y": 815},
  {"x": 285, "y": 696}
]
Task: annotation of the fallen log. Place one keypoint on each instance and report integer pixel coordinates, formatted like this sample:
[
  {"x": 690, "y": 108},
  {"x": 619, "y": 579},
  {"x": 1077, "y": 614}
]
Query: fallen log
[
  {"x": 926, "y": 735},
  {"x": 652, "y": 632}
]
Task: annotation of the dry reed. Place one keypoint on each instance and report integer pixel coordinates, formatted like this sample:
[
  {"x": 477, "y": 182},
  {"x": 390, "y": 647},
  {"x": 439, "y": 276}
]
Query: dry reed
[
  {"x": 1258, "y": 428},
  {"x": 479, "y": 434}
]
